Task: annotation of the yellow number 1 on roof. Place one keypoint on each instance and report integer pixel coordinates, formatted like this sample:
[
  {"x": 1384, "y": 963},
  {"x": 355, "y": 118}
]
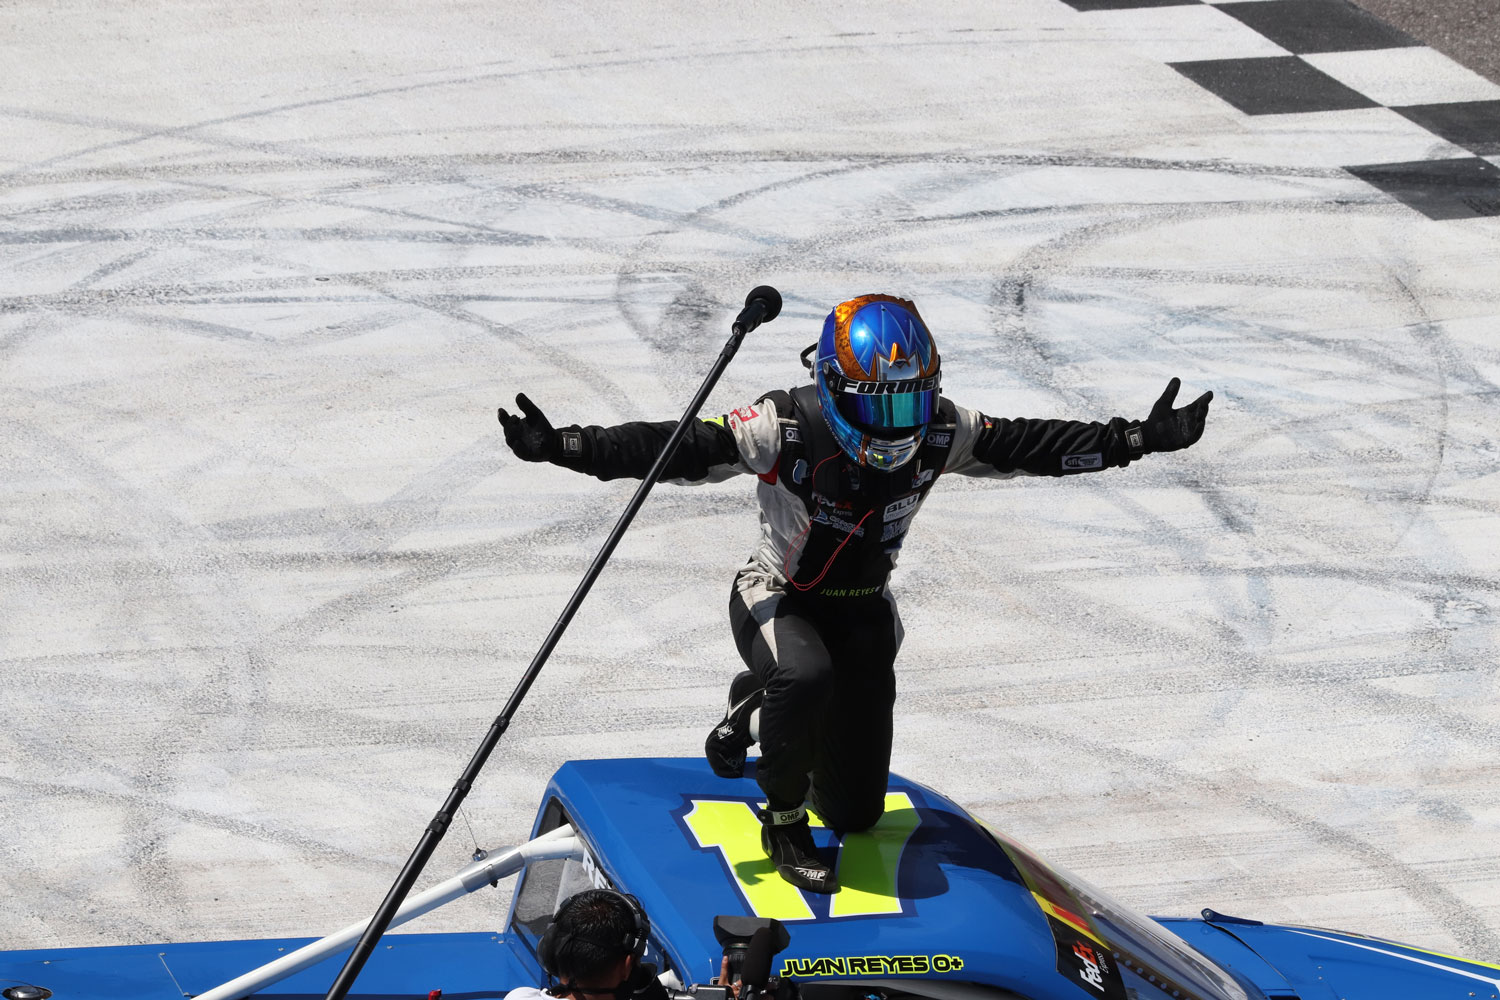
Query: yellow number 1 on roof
[
  {"x": 732, "y": 827},
  {"x": 868, "y": 863}
]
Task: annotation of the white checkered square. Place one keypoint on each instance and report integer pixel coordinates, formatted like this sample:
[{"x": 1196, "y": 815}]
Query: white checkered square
[
  {"x": 1184, "y": 34},
  {"x": 1395, "y": 77}
]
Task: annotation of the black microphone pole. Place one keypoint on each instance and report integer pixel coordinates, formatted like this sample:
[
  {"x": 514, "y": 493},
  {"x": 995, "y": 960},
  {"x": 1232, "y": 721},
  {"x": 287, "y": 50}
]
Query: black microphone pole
[{"x": 761, "y": 306}]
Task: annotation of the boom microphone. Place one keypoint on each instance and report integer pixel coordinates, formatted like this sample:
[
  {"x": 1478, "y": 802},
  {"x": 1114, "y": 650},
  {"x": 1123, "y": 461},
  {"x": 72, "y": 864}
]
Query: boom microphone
[
  {"x": 757, "y": 969},
  {"x": 762, "y": 305}
]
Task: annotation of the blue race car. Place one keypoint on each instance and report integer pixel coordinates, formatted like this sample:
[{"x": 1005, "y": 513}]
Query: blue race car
[{"x": 934, "y": 904}]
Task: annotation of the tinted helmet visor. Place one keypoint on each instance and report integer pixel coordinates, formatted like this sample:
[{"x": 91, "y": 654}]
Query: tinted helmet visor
[{"x": 881, "y": 415}]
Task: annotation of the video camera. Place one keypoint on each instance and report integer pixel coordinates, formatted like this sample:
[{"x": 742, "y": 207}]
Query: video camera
[{"x": 749, "y": 943}]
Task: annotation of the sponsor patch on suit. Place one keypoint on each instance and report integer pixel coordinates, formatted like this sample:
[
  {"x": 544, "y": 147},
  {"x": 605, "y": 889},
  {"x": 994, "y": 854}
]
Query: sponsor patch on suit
[
  {"x": 1091, "y": 461},
  {"x": 901, "y": 507}
]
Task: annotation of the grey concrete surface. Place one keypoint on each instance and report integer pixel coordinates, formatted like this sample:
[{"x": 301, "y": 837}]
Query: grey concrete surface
[
  {"x": 266, "y": 571},
  {"x": 1467, "y": 31}
]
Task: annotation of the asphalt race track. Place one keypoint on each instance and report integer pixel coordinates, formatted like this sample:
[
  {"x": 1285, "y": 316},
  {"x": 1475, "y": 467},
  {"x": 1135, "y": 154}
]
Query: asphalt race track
[{"x": 267, "y": 571}]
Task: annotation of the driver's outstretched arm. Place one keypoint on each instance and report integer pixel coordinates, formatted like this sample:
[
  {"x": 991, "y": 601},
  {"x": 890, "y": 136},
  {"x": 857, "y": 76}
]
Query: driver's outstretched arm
[
  {"x": 993, "y": 446},
  {"x": 623, "y": 451}
]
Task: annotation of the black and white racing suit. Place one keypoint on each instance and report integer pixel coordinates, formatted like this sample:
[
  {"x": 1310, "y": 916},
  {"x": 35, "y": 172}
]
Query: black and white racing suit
[{"x": 811, "y": 611}]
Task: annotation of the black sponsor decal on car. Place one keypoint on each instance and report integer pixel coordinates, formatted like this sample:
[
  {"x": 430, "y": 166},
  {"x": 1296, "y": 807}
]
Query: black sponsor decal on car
[{"x": 1082, "y": 960}]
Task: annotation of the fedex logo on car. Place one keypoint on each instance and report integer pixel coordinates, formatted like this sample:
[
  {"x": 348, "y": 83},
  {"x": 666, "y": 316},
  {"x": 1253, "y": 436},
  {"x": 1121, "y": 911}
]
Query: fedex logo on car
[{"x": 1089, "y": 970}]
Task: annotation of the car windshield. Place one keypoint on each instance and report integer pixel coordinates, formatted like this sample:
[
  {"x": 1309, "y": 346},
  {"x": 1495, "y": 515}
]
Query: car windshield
[{"x": 1111, "y": 947}]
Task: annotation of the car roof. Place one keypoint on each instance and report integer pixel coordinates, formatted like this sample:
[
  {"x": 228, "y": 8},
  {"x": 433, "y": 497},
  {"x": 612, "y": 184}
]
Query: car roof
[{"x": 928, "y": 893}]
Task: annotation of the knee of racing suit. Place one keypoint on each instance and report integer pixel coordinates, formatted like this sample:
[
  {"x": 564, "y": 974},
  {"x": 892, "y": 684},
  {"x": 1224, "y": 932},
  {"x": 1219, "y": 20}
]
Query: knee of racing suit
[{"x": 846, "y": 816}]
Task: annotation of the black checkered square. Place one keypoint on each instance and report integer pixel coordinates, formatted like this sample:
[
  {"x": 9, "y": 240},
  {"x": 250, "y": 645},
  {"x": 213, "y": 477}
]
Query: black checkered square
[
  {"x": 1274, "y": 85},
  {"x": 1304, "y": 26},
  {"x": 1464, "y": 188},
  {"x": 1474, "y": 125}
]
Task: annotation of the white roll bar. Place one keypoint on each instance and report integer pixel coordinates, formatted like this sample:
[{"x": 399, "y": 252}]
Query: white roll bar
[{"x": 558, "y": 843}]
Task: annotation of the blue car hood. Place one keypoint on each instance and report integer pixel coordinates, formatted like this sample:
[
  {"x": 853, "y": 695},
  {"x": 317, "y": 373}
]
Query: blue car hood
[{"x": 1334, "y": 965}]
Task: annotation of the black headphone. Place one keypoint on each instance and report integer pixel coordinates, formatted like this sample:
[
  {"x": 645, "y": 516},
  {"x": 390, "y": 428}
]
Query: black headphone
[{"x": 633, "y": 943}]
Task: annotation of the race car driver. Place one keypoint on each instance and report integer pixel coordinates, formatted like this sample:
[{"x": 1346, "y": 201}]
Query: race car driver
[{"x": 844, "y": 464}]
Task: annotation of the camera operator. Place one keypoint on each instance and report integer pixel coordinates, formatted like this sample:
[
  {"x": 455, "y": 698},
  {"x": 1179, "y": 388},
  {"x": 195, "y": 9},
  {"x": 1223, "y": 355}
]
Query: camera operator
[{"x": 593, "y": 949}]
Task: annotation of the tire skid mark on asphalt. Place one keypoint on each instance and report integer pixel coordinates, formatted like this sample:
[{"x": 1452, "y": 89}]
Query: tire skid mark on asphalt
[
  {"x": 1146, "y": 684},
  {"x": 120, "y": 263},
  {"x": 79, "y": 398},
  {"x": 1051, "y": 258},
  {"x": 191, "y": 132},
  {"x": 1260, "y": 434},
  {"x": 700, "y": 221},
  {"x": 1468, "y": 927},
  {"x": 1047, "y": 259},
  {"x": 188, "y": 721},
  {"x": 683, "y": 321},
  {"x": 1331, "y": 282},
  {"x": 1448, "y": 364},
  {"x": 1464, "y": 923},
  {"x": 432, "y": 303},
  {"x": 450, "y": 307},
  {"x": 478, "y": 233},
  {"x": 211, "y": 292},
  {"x": 146, "y": 850},
  {"x": 1265, "y": 878},
  {"x": 571, "y": 526},
  {"x": 24, "y": 333},
  {"x": 110, "y": 202},
  {"x": 66, "y": 908},
  {"x": 699, "y": 157},
  {"x": 291, "y": 725},
  {"x": 1229, "y": 665},
  {"x": 157, "y": 805},
  {"x": 829, "y": 250}
]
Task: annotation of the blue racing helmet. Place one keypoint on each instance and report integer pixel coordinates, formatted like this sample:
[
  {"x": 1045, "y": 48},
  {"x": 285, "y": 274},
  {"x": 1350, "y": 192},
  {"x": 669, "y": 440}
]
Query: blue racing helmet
[{"x": 877, "y": 373}]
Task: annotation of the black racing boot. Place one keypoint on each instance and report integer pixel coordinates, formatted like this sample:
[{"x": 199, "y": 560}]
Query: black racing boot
[
  {"x": 726, "y": 745},
  {"x": 787, "y": 841}
]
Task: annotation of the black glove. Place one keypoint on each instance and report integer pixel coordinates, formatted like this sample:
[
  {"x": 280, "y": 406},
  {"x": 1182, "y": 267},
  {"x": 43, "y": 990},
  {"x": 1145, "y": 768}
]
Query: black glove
[
  {"x": 531, "y": 437},
  {"x": 1167, "y": 429}
]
